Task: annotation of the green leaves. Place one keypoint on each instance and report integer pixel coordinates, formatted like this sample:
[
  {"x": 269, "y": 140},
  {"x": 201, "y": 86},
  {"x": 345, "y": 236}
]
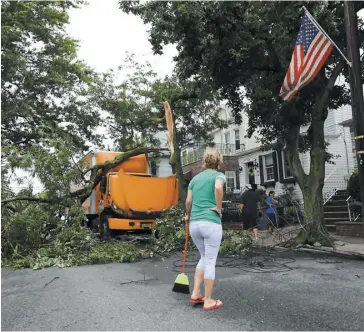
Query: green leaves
[
  {"x": 43, "y": 84},
  {"x": 235, "y": 243},
  {"x": 354, "y": 186},
  {"x": 170, "y": 236},
  {"x": 245, "y": 44},
  {"x": 61, "y": 245}
]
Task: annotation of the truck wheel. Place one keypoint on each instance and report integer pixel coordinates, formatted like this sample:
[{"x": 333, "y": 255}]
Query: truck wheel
[
  {"x": 95, "y": 224},
  {"x": 105, "y": 232}
]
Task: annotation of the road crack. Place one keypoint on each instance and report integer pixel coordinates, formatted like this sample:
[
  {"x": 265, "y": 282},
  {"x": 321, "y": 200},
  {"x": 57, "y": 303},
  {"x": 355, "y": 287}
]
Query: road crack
[{"x": 142, "y": 281}]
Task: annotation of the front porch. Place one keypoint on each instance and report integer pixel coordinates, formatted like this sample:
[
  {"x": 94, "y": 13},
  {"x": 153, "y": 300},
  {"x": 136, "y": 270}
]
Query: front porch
[{"x": 192, "y": 163}]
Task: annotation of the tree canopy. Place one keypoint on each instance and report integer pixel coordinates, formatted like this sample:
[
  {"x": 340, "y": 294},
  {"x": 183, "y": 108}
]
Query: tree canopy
[
  {"x": 44, "y": 88},
  {"x": 244, "y": 49}
]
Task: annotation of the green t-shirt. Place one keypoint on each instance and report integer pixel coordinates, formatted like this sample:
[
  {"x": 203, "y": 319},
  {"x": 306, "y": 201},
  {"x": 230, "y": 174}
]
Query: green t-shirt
[{"x": 203, "y": 195}]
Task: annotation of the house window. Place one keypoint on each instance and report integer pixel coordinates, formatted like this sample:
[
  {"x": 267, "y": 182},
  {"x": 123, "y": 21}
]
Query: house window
[
  {"x": 237, "y": 139},
  {"x": 226, "y": 150},
  {"x": 227, "y": 138},
  {"x": 286, "y": 169},
  {"x": 230, "y": 181},
  {"x": 269, "y": 167}
]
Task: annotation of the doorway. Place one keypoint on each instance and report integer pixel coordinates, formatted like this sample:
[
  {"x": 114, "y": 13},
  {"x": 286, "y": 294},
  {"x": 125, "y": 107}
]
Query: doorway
[{"x": 251, "y": 173}]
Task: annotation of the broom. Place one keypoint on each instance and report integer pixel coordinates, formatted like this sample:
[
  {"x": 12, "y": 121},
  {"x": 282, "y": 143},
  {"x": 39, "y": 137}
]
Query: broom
[{"x": 181, "y": 285}]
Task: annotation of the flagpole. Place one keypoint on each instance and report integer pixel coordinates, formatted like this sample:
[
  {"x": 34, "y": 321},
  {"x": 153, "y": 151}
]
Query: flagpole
[{"x": 312, "y": 19}]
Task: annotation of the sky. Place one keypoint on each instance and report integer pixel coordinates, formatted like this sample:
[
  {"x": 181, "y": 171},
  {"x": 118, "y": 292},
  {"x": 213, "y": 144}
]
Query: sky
[{"x": 106, "y": 33}]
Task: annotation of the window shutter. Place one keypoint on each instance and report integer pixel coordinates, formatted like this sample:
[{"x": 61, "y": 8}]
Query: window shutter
[
  {"x": 275, "y": 167},
  {"x": 280, "y": 165},
  {"x": 261, "y": 170}
]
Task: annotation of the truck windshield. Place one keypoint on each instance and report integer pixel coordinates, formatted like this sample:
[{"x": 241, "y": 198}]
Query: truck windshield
[{"x": 141, "y": 174}]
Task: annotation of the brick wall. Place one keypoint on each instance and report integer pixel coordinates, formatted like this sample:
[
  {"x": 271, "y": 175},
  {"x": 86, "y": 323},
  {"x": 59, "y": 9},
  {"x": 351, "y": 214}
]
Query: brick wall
[
  {"x": 231, "y": 163},
  {"x": 349, "y": 229}
]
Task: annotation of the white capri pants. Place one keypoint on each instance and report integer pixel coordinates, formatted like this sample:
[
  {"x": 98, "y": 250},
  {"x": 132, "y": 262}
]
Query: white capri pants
[{"x": 207, "y": 237}]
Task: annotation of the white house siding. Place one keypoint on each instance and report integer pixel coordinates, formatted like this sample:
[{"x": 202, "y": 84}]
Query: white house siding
[
  {"x": 336, "y": 175},
  {"x": 345, "y": 114},
  {"x": 245, "y": 142}
]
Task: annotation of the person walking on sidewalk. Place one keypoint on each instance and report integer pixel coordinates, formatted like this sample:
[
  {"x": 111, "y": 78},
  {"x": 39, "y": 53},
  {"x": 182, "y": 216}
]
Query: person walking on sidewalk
[
  {"x": 248, "y": 208},
  {"x": 272, "y": 209},
  {"x": 204, "y": 211}
]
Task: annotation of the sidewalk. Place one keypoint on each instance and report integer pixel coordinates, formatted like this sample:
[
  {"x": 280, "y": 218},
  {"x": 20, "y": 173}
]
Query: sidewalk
[{"x": 346, "y": 245}]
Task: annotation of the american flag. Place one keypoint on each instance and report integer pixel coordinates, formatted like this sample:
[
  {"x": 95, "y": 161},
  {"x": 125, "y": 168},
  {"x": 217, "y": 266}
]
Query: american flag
[{"x": 310, "y": 53}]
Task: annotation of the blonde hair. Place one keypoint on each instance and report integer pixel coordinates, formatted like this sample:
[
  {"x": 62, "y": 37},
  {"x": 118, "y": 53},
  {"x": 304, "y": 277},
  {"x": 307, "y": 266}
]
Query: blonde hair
[{"x": 212, "y": 159}]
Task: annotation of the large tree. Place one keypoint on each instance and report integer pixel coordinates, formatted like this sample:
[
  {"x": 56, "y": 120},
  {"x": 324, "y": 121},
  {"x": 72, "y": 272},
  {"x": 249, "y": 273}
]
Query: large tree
[
  {"x": 245, "y": 49},
  {"x": 44, "y": 87},
  {"x": 195, "y": 113},
  {"x": 48, "y": 105},
  {"x": 134, "y": 109},
  {"x": 48, "y": 113}
]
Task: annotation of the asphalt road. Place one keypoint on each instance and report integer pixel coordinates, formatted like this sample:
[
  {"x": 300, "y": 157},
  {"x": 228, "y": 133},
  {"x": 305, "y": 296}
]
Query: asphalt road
[{"x": 264, "y": 291}]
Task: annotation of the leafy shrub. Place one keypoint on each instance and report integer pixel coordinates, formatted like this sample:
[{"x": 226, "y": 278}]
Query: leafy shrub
[
  {"x": 234, "y": 243},
  {"x": 169, "y": 234},
  {"x": 38, "y": 238},
  {"x": 171, "y": 229},
  {"x": 354, "y": 187}
]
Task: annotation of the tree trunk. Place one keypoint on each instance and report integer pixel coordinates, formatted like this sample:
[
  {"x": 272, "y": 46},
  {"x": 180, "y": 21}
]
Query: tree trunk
[
  {"x": 314, "y": 229},
  {"x": 175, "y": 162},
  {"x": 311, "y": 184}
]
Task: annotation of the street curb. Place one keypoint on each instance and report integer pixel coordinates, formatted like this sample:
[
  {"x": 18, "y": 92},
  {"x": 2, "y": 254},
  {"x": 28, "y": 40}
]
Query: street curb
[
  {"x": 346, "y": 254},
  {"x": 333, "y": 252}
]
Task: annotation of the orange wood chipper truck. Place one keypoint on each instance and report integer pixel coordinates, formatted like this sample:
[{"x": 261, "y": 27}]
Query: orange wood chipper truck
[{"x": 128, "y": 198}]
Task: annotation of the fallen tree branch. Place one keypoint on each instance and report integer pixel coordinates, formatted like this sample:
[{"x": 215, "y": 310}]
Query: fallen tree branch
[
  {"x": 121, "y": 158},
  {"x": 25, "y": 198},
  {"x": 98, "y": 171}
]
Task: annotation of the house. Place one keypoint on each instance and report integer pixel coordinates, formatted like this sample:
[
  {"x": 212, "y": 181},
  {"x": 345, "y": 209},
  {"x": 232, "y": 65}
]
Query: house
[
  {"x": 271, "y": 169},
  {"x": 227, "y": 141},
  {"x": 161, "y": 167},
  {"x": 350, "y": 124},
  {"x": 246, "y": 163}
]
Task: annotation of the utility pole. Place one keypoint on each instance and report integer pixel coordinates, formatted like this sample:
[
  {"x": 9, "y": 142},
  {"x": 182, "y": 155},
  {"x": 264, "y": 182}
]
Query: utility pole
[{"x": 356, "y": 89}]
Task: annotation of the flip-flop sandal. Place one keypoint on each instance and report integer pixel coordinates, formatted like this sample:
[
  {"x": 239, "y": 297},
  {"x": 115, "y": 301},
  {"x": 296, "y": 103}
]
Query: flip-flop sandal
[
  {"x": 197, "y": 301},
  {"x": 216, "y": 306}
]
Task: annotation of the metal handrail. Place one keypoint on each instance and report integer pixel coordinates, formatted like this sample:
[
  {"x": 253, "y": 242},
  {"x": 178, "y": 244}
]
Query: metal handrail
[
  {"x": 332, "y": 172},
  {"x": 348, "y": 205},
  {"x": 198, "y": 151},
  {"x": 335, "y": 191}
]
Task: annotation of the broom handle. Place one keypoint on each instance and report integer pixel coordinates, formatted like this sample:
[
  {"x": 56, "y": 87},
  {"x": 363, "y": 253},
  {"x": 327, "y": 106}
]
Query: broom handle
[{"x": 186, "y": 245}]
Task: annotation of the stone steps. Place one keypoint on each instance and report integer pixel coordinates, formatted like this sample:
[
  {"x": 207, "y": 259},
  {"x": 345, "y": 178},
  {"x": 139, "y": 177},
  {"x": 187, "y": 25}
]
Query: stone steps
[
  {"x": 344, "y": 214},
  {"x": 332, "y": 221},
  {"x": 336, "y": 210}
]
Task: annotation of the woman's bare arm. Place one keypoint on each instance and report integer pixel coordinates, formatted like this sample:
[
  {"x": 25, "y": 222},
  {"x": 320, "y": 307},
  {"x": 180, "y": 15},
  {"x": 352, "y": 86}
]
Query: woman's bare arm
[
  {"x": 219, "y": 193},
  {"x": 188, "y": 203}
]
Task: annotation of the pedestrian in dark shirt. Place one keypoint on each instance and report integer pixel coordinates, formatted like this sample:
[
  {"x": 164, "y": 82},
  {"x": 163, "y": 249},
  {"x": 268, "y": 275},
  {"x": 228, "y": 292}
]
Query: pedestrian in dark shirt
[{"x": 248, "y": 207}]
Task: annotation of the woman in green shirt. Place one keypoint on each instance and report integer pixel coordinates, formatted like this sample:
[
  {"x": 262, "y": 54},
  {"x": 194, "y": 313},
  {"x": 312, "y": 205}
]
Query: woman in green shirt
[{"x": 203, "y": 211}]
